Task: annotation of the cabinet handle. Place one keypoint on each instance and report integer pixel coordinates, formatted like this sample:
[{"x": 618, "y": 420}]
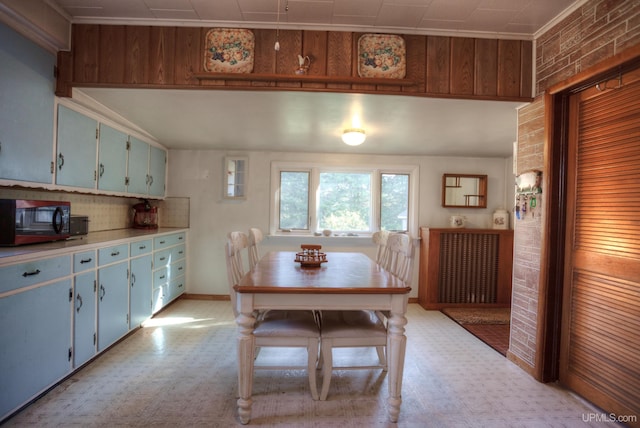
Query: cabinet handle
[
  {"x": 79, "y": 299},
  {"x": 35, "y": 272},
  {"x": 133, "y": 279},
  {"x": 103, "y": 291},
  {"x": 150, "y": 180},
  {"x": 181, "y": 252},
  {"x": 60, "y": 160},
  {"x": 180, "y": 268},
  {"x": 162, "y": 259},
  {"x": 180, "y": 286},
  {"x": 83, "y": 261},
  {"x": 101, "y": 169},
  {"x": 179, "y": 238},
  {"x": 162, "y": 242},
  {"x": 115, "y": 253},
  {"x": 163, "y": 276},
  {"x": 142, "y": 247}
]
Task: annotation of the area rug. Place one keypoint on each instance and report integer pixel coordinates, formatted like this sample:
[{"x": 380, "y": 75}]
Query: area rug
[{"x": 491, "y": 325}]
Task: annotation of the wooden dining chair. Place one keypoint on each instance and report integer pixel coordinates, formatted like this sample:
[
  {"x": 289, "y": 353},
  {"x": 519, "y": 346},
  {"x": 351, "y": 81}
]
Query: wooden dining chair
[
  {"x": 277, "y": 328},
  {"x": 350, "y": 329},
  {"x": 255, "y": 237}
]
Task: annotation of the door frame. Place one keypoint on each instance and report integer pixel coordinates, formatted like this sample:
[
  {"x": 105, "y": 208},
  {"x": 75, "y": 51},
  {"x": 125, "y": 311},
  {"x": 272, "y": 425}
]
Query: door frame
[{"x": 552, "y": 261}]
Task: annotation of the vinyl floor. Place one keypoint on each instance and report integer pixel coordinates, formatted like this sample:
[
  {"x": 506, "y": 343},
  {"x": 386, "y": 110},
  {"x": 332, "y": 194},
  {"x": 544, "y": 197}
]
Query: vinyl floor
[{"x": 180, "y": 371}]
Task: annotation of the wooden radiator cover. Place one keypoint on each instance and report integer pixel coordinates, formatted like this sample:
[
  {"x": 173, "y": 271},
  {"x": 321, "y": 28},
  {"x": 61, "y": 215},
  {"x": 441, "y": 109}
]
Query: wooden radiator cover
[{"x": 465, "y": 267}]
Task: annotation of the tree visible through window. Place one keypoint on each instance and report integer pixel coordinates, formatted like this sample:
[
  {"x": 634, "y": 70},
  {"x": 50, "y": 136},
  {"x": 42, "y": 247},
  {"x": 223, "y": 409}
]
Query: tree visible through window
[
  {"x": 294, "y": 200},
  {"x": 394, "y": 201},
  {"x": 344, "y": 201}
]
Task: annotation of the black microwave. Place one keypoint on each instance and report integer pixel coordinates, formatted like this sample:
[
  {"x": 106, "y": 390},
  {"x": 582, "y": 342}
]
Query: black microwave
[{"x": 28, "y": 222}]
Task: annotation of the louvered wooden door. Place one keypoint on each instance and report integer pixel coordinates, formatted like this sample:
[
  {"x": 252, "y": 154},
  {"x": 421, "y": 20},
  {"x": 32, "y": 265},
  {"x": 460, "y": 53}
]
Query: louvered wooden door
[{"x": 600, "y": 347}]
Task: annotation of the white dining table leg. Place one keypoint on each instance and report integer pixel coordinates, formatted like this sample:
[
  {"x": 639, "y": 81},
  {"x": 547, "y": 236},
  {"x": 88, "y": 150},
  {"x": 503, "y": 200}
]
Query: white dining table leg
[
  {"x": 396, "y": 345},
  {"x": 246, "y": 356}
]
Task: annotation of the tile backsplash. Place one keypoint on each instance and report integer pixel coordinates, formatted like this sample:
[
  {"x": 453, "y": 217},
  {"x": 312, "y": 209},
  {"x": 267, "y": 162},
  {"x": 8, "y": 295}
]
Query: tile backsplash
[{"x": 107, "y": 212}]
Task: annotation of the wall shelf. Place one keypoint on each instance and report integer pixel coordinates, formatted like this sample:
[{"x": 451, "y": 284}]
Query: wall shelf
[{"x": 297, "y": 78}]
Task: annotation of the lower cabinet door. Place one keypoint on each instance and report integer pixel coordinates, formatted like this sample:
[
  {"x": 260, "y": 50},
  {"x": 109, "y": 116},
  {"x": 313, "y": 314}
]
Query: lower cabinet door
[
  {"x": 84, "y": 323},
  {"x": 35, "y": 342},
  {"x": 140, "y": 290},
  {"x": 113, "y": 304}
]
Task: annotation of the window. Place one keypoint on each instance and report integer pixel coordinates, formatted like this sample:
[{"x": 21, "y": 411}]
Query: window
[{"x": 345, "y": 200}]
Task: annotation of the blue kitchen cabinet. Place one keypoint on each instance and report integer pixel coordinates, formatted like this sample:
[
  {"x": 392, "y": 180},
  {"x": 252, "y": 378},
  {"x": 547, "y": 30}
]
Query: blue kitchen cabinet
[
  {"x": 112, "y": 159},
  {"x": 26, "y": 108},
  {"x": 84, "y": 323},
  {"x": 138, "y": 171},
  {"x": 35, "y": 338},
  {"x": 157, "y": 171},
  {"x": 76, "y": 149},
  {"x": 140, "y": 280},
  {"x": 113, "y": 304}
]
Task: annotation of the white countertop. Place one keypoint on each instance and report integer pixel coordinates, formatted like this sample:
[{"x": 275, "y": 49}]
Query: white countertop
[{"x": 78, "y": 243}]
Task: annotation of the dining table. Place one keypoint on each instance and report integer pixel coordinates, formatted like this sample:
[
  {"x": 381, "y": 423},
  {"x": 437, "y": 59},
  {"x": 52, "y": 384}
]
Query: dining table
[{"x": 346, "y": 281}]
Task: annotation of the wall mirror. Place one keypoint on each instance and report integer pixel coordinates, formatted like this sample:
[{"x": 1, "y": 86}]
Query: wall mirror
[
  {"x": 464, "y": 191},
  {"x": 235, "y": 177}
]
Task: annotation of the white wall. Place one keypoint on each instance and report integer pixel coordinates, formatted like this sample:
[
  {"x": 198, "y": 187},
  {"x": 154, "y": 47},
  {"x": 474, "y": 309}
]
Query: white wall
[{"x": 198, "y": 175}]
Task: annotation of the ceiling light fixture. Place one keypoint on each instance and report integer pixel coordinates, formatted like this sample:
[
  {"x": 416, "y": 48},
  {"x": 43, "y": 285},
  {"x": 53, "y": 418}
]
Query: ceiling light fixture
[{"x": 354, "y": 136}]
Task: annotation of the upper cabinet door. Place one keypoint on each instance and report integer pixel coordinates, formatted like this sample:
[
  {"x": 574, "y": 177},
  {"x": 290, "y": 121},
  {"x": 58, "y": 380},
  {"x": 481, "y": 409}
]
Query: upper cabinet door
[
  {"x": 26, "y": 109},
  {"x": 157, "y": 171},
  {"x": 112, "y": 159},
  {"x": 138, "y": 166},
  {"x": 76, "y": 149}
]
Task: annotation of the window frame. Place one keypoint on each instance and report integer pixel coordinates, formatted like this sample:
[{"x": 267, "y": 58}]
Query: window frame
[{"x": 314, "y": 169}]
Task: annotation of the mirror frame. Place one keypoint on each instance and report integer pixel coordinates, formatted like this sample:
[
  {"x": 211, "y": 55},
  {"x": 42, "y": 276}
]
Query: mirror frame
[
  {"x": 482, "y": 191},
  {"x": 240, "y": 189}
]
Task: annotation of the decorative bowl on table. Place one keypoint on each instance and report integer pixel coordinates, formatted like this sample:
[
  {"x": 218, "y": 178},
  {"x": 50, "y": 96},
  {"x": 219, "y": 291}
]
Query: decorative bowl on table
[{"x": 310, "y": 256}]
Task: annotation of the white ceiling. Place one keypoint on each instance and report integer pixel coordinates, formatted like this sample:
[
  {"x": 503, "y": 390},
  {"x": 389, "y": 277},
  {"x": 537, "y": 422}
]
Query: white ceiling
[{"x": 313, "y": 122}]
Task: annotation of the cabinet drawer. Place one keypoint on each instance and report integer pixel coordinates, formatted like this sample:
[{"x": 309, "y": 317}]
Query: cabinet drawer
[
  {"x": 177, "y": 253},
  {"x": 160, "y": 276},
  {"x": 29, "y": 273},
  {"x": 161, "y": 258},
  {"x": 168, "y": 240},
  {"x": 113, "y": 254},
  {"x": 176, "y": 287},
  {"x": 84, "y": 261},
  {"x": 177, "y": 269},
  {"x": 141, "y": 247}
]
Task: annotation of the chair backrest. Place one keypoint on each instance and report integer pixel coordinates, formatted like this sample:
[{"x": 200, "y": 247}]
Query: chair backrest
[
  {"x": 255, "y": 237},
  {"x": 380, "y": 239},
  {"x": 236, "y": 242},
  {"x": 400, "y": 256}
]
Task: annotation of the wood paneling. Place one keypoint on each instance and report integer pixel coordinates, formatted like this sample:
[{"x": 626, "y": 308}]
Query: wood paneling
[
  {"x": 509, "y": 67},
  {"x": 459, "y": 67},
  {"x": 85, "y": 39},
  {"x": 486, "y": 71},
  {"x": 136, "y": 66},
  {"x": 462, "y": 65},
  {"x": 438, "y": 65},
  {"x": 188, "y": 55},
  {"x": 111, "y": 54},
  {"x": 416, "y": 65},
  {"x": 162, "y": 45}
]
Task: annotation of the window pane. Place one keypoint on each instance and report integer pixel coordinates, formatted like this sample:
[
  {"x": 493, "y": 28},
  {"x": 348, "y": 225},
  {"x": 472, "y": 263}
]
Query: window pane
[
  {"x": 344, "y": 201},
  {"x": 394, "y": 202},
  {"x": 294, "y": 200}
]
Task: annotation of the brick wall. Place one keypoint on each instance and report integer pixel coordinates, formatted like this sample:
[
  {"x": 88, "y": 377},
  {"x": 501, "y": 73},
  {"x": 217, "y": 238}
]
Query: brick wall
[
  {"x": 595, "y": 31},
  {"x": 527, "y": 239}
]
